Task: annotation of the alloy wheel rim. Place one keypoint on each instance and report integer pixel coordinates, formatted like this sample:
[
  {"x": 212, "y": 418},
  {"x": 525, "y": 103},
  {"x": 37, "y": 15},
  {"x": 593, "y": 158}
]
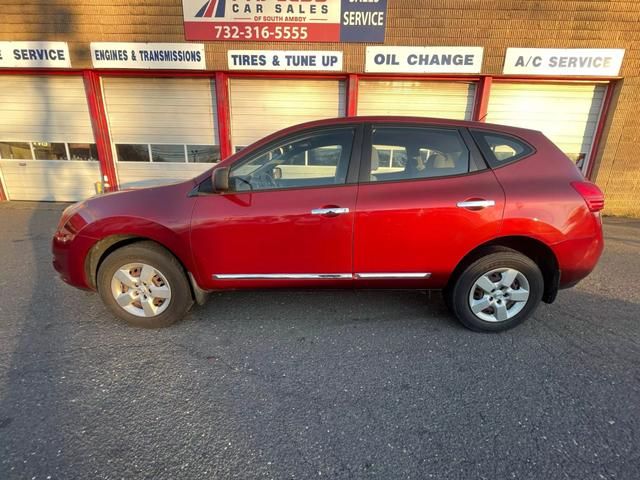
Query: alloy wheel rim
[
  {"x": 141, "y": 290},
  {"x": 499, "y": 295}
]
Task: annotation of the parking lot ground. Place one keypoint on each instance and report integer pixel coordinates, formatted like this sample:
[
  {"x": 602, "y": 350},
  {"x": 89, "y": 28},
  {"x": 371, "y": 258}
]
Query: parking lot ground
[{"x": 322, "y": 384}]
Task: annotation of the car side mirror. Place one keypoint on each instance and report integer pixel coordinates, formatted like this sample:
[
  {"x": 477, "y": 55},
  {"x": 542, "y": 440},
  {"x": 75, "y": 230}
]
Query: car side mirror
[{"x": 220, "y": 179}]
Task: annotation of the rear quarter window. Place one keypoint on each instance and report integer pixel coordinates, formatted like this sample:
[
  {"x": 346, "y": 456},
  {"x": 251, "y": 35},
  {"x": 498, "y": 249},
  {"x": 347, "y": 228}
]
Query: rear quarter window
[{"x": 501, "y": 149}]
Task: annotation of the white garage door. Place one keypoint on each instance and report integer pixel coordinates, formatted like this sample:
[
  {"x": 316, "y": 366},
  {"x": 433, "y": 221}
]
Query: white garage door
[
  {"x": 566, "y": 113},
  {"x": 262, "y": 106},
  {"x": 47, "y": 149},
  {"x": 416, "y": 98},
  {"x": 163, "y": 130}
]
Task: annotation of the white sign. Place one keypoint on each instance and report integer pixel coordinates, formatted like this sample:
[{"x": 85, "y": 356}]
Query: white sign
[
  {"x": 289, "y": 60},
  {"x": 167, "y": 56},
  {"x": 424, "y": 59},
  {"x": 34, "y": 55},
  {"x": 591, "y": 62}
]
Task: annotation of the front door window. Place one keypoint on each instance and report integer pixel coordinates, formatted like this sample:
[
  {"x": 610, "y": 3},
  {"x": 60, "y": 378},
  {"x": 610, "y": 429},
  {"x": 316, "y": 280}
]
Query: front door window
[{"x": 310, "y": 160}]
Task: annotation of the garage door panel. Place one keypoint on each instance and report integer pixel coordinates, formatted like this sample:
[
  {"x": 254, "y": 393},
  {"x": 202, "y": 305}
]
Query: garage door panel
[
  {"x": 163, "y": 120},
  {"x": 260, "y": 107},
  {"x": 13, "y": 128},
  {"x": 574, "y": 108},
  {"x": 157, "y": 86},
  {"x": 60, "y": 120},
  {"x": 164, "y": 111},
  {"x": 47, "y": 195},
  {"x": 416, "y": 98},
  {"x": 271, "y": 100},
  {"x": 162, "y": 136},
  {"x": 549, "y": 93},
  {"x": 540, "y": 115},
  {"x": 50, "y": 107},
  {"x": 308, "y": 113},
  {"x": 138, "y": 176},
  {"x": 128, "y": 104},
  {"x": 165, "y": 125},
  {"x": 21, "y": 105},
  {"x": 44, "y": 182},
  {"x": 540, "y": 110},
  {"x": 304, "y": 108},
  {"x": 153, "y": 104},
  {"x": 162, "y": 139},
  {"x": 46, "y": 109},
  {"x": 59, "y": 98},
  {"x": 118, "y": 112},
  {"x": 49, "y": 180},
  {"x": 53, "y": 170}
]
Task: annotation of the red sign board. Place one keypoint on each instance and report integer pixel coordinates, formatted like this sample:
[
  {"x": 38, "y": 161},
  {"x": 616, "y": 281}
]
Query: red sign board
[{"x": 285, "y": 20}]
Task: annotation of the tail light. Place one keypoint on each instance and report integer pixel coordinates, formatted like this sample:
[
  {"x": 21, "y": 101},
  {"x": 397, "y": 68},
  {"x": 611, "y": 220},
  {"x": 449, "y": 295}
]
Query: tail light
[{"x": 593, "y": 196}]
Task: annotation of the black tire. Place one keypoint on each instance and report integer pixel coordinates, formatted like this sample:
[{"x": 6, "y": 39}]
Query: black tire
[
  {"x": 457, "y": 294},
  {"x": 163, "y": 261}
]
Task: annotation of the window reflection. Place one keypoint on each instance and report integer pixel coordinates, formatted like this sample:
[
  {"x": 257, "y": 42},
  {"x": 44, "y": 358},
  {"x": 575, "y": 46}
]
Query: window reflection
[
  {"x": 49, "y": 151},
  {"x": 83, "y": 151},
  {"x": 203, "y": 153},
  {"x": 15, "y": 151},
  {"x": 167, "y": 153},
  {"x": 132, "y": 153}
]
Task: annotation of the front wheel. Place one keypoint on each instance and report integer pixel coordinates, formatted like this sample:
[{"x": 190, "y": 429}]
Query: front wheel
[
  {"x": 144, "y": 285},
  {"x": 496, "y": 292}
]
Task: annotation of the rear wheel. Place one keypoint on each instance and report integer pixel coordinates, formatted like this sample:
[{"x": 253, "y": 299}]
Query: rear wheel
[
  {"x": 496, "y": 292},
  {"x": 144, "y": 285}
]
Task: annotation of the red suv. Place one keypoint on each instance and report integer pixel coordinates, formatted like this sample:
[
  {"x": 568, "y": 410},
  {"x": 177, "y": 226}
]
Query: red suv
[{"x": 497, "y": 217}]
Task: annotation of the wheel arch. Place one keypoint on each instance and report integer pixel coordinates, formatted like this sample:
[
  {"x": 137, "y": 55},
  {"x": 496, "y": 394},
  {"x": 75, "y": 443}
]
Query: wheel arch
[
  {"x": 115, "y": 232},
  {"x": 102, "y": 249},
  {"x": 535, "y": 249},
  {"x": 107, "y": 245}
]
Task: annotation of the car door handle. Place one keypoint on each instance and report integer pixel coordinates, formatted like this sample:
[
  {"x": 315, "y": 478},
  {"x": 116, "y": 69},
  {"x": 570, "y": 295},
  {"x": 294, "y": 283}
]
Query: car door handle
[
  {"x": 477, "y": 204},
  {"x": 331, "y": 211}
]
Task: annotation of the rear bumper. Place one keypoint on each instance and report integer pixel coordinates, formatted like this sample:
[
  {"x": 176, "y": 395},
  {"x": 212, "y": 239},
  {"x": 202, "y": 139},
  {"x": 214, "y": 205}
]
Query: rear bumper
[
  {"x": 577, "y": 258},
  {"x": 69, "y": 260}
]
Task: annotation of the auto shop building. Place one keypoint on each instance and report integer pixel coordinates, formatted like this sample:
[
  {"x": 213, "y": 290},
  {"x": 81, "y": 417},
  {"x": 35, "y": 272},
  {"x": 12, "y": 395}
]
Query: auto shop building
[{"x": 137, "y": 93}]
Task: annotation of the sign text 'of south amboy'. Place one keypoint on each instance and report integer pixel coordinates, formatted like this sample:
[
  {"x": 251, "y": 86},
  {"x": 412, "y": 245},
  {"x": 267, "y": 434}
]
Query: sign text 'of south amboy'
[{"x": 285, "y": 20}]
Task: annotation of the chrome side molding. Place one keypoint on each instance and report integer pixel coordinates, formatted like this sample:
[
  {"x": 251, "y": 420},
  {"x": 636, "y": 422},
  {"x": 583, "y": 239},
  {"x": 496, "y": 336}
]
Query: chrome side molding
[
  {"x": 281, "y": 276},
  {"x": 397, "y": 275},
  {"x": 320, "y": 276}
]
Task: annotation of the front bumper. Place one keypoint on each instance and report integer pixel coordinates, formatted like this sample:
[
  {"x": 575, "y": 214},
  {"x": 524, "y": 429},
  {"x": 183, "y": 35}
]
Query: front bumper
[{"x": 69, "y": 259}]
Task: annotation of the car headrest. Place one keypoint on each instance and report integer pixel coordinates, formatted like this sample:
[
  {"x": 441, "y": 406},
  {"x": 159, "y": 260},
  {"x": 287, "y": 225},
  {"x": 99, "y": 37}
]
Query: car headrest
[{"x": 438, "y": 160}]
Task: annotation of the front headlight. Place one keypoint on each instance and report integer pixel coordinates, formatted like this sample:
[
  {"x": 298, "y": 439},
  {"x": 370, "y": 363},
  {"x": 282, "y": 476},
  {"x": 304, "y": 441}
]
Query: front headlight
[
  {"x": 65, "y": 233},
  {"x": 70, "y": 223}
]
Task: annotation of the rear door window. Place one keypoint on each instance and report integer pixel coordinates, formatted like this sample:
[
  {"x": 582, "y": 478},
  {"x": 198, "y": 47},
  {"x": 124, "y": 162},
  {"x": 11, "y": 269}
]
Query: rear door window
[
  {"x": 409, "y": 153},
  {"x": 501, "y": 149}
]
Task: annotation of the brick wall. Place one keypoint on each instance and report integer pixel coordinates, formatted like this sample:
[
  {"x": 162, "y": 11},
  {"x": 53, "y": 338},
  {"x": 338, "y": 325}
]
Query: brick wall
[{"x": 493, "y": 24}]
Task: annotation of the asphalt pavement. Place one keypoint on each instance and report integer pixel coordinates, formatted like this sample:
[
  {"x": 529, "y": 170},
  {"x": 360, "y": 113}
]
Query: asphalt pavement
[{"x": 315, "y": 384}]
